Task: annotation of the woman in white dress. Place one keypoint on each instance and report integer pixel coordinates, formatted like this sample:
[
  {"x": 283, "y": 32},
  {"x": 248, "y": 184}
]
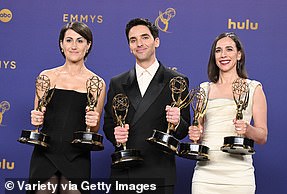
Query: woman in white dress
[{"x": 225, "y": 172}]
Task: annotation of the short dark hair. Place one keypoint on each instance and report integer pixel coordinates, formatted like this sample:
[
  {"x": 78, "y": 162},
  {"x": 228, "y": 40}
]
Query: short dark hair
[
  {"x": 82, "y": 29},
  {"x": 141, "y": 21},
  {"x": 213, "y": 70}
]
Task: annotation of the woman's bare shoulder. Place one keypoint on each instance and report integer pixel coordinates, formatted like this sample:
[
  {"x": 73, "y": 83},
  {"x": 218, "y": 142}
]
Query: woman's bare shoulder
[
  {"x": 91, "y": 74},
  {"x": 50, "y": 72}
]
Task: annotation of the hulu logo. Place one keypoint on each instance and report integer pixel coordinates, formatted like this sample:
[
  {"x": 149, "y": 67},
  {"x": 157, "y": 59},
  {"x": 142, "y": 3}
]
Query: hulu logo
[
  {"x": 247, "y": 25},
  {"x": 6, "y": 165}
]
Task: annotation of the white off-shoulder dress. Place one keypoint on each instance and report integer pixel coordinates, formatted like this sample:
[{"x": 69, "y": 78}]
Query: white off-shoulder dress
[{"x": 224, "y": 172}]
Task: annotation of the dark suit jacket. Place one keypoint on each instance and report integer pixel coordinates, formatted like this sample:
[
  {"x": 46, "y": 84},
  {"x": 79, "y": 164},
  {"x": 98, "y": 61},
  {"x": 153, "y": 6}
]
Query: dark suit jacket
[{"x": 144, "y": 115}]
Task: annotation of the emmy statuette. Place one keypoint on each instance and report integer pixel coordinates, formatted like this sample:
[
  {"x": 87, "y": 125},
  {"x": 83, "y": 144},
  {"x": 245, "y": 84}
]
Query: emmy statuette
[
  {"x": 125, "y": 158},
  {"x": 87, "y": 139},
  {"x": 4, "y": 106},
  {"x": 166, "y": 141},
  {"x": 195, "y": 150},
  {"x": 36, "y": 137},
  {"x": 239, "y": 144}
]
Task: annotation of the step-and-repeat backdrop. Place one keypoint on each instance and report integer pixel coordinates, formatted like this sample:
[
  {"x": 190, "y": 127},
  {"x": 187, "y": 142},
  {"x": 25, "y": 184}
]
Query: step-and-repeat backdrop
[{"x": 29, "y": 44}]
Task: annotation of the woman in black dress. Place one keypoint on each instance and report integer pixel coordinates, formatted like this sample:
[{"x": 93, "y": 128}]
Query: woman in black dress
[{"x": 62, "y": 163}]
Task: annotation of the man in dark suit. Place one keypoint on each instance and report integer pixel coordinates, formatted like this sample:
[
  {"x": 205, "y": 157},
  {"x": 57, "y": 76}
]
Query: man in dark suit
[{"x": 150, "y": 99}]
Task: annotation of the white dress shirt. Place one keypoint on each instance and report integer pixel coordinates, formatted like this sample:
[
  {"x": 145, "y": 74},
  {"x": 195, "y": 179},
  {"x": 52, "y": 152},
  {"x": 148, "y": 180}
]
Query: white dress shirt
[{"x": 144, "y": 76}]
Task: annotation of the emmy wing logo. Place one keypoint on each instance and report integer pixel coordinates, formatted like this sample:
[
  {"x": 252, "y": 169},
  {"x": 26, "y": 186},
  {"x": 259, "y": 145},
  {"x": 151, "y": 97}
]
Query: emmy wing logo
[
  {"x": 4, "y": 106},
  {"x": 162, "y": 21}
]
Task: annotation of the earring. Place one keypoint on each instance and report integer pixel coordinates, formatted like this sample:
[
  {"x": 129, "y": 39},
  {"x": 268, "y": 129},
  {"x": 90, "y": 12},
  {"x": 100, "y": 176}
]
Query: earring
[{"x": 62, "y": 50}]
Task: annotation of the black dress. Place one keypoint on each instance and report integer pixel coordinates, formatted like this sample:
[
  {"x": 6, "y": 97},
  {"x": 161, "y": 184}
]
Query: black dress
[{"x": 65, "y": 114}]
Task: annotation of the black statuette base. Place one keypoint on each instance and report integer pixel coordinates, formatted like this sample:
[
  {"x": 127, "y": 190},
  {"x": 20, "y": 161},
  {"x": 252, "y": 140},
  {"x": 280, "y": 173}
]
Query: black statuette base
[
  {"x": 164, "y": 141},
  {"x": 88, "y": 140},
  {"x": 34, "y": 138},
  {"x": 193, "y": 151},
  {"x": 238, "y": 145},
  {"x": 126, "y": 159}
]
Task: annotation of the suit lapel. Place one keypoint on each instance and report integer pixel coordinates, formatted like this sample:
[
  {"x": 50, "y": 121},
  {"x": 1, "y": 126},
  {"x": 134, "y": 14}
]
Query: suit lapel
[
  {"x": 153, "y": 90},
  {"x": 131, "y": 89}
]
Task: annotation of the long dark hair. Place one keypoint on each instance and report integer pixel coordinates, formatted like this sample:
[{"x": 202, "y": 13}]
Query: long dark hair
[{"x": 213, "y": 70}]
